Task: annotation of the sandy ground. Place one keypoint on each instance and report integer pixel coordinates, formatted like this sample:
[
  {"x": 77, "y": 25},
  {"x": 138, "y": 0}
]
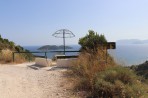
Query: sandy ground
[{"x": 29, "y": 81}]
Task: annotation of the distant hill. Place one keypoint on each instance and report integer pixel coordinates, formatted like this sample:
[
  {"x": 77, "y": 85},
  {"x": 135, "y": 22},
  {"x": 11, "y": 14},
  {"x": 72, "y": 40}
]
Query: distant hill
[
  {"x": 141, "y": 69},
  {"x": 131, "y": 41},
  {"x": 53, "y": 47}
]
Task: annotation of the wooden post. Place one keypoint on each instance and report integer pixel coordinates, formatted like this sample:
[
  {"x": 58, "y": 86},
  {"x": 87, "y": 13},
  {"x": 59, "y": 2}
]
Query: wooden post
[
  {"x": 13, "y": 56},
  {"x": 106, "y": 55}
]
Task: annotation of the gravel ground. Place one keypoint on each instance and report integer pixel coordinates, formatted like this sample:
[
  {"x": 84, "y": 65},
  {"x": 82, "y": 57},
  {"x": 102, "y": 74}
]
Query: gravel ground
[{"x": 26, "y": 81}]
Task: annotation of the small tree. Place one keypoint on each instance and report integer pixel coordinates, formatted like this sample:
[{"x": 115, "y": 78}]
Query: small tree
[
  {"x": 11, "y": 45},
  {"x": 0, "y": 38},
  {"x": 92, "y": 41}
]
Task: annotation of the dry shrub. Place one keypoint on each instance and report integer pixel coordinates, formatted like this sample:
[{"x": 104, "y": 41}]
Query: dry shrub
[
  {"x": 19, "y": 58},
  {"x": 6, "y": 57},
  {"x": 88, "y": 65},
  {"x": 105, "y": 80}
]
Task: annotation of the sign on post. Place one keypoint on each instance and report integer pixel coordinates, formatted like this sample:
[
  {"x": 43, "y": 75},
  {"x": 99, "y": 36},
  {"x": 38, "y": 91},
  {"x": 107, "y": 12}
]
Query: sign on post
[{"x": 111, "y": 45}]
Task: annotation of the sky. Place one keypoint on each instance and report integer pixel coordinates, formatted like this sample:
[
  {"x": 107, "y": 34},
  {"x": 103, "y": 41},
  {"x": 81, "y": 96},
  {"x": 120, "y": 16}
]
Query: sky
[{"x": 32, "y": 22}]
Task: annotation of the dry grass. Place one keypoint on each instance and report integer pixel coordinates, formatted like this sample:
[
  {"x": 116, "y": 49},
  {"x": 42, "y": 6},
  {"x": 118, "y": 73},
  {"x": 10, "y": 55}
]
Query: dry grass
[
  {"x": 88, "y": 65},
  {"x": 105, "y": 80},
  {"x": 6, "y": 57}
]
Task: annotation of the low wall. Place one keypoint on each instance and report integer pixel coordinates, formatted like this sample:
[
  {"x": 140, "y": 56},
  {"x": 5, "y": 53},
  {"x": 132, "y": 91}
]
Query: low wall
[
  {"x": 43, "y": 62},
  {"x": 59, "y": 62},
  {"x": 65, "y": 62}
]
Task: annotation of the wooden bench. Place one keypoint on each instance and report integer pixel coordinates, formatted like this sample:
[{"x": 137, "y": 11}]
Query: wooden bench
[{"x": 65, "y": 57}]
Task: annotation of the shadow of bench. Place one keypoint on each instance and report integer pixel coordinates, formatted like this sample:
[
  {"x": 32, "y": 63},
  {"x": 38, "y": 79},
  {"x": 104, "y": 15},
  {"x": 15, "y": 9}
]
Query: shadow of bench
[{"x": 65, "y": 57}]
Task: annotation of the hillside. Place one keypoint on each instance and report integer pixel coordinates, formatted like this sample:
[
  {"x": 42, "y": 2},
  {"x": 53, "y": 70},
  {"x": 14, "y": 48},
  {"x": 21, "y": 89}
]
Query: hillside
[
  {"x": 6, "y": 44},
  {"x": 141, "y": 69},
  {"x": 8, "y": 47}
]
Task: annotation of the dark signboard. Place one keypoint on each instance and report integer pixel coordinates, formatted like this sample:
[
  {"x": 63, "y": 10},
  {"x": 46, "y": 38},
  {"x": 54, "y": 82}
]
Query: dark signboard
[{"x": 111, "y": 45}]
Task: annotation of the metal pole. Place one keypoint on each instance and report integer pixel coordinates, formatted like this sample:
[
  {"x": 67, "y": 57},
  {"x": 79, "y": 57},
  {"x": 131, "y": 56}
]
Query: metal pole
[
  {"x": 64, "y": 40},
  {"x": 45, "y": 55},
  {"x": 29, "y": 59}
]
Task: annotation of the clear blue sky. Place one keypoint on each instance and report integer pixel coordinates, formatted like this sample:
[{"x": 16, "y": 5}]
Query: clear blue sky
[{"x": 32, "y": 22}]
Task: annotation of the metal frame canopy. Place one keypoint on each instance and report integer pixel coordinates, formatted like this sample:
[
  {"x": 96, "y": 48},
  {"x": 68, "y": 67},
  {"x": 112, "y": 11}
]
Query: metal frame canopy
[{"x": 63, "y": 33}]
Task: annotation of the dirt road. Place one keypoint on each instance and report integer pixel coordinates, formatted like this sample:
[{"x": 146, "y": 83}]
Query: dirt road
[{"x": 27, "y": 81}]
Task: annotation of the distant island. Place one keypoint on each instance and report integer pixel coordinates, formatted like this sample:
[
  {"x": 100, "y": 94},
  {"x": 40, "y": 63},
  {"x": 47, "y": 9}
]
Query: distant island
[
  {"x": 53, "y": 47},
  {"x": 132, "y": 41}
]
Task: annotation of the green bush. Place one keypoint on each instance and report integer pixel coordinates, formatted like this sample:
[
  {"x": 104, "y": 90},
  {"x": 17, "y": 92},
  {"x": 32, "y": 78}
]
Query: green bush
[
  {"x": 92, "y": 41},
  {"x": 141, "y": 69},
  {"x": 120, "y": 82}
]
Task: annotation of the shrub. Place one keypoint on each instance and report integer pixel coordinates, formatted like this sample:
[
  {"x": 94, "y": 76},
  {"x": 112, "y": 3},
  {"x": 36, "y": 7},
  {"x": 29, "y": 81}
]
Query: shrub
[
  {"x": 103, "y": 80},
  {"x": 141, "y": 69},
  {"x": 92, "y": 41},
  {"x": 118, "y": 81},
  {"x": 88, "y": 65},
  {"x": 6, "y": 57},
  {"x": 6, "y": 48}
]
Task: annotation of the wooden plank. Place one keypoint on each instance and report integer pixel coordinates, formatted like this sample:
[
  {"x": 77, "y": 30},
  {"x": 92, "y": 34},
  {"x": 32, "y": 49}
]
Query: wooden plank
[{"x": 64, "y": 57}]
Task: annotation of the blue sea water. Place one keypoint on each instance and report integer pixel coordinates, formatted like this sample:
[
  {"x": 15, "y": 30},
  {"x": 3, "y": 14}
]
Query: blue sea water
[
  {"x": 130, "y": 54},
  {"x": 52, "y": 54},
  {"x": 124, "y": 54}
]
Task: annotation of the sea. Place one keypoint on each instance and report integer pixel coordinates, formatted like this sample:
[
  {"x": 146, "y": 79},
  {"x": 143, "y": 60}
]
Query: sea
[
  {"x": 125, "y": 55},
  {"x": 52, "y": 54}
]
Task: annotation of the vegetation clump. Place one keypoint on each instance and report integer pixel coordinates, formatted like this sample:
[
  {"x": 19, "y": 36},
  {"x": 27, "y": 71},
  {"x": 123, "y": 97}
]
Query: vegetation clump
[
  {"x": 92, "y": 41},
  {"x": 141, "y": 69},
  {"x": 103, "y": 78},
  {"x": 6, "y": 51},
  {"x": 118, "y": 82}
]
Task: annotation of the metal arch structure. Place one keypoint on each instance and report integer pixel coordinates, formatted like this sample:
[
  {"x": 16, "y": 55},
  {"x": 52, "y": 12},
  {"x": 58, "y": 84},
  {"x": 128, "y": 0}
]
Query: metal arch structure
[{"x": 63, "y": 33}]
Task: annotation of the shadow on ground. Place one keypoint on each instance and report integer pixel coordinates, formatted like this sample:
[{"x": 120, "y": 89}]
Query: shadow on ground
[
  {"x": 51, "y": 68},
  {"x": 35, "y": 67},
  {"x": 57, "y": 68}
]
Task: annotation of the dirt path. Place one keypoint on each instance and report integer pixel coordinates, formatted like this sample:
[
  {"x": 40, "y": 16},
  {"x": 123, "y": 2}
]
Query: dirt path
[{"x": 25, "y": 81}]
